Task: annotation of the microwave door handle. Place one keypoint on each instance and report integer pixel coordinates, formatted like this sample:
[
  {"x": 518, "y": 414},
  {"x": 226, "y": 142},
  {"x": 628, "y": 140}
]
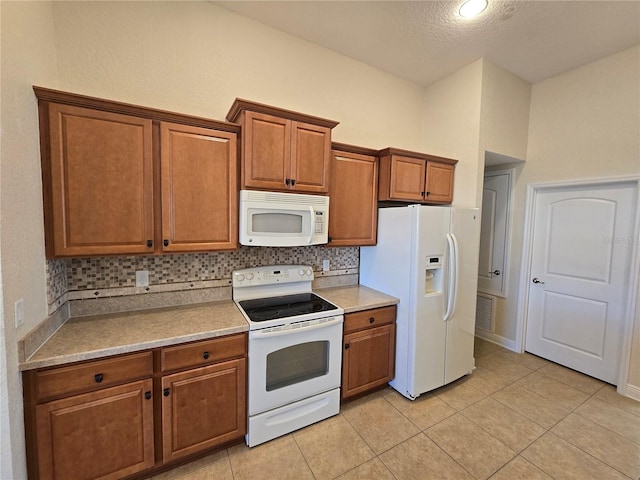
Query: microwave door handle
[{"x": 312, "y": 224}]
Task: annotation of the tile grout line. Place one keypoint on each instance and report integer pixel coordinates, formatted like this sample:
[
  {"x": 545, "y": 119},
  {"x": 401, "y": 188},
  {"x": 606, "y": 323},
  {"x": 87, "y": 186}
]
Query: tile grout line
[
  {"x": 293, "y": 437},
  {"x": 593, "y": 395}
]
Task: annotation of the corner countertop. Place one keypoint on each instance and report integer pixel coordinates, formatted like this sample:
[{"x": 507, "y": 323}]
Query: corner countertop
[
  {"x": 354, "y": 298},
  {"x": 86, "y": 338},
  {"x": 98, "y": 336}
]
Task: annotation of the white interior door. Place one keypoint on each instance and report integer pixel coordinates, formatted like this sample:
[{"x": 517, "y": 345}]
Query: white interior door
[
  {"x": 581, "y": 255},
  {"x": 493, "y": 234}
]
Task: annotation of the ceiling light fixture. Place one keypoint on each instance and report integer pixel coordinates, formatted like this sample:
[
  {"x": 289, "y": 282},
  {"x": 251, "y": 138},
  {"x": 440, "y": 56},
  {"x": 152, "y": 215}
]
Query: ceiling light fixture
[{"x": 471, "y": 8}]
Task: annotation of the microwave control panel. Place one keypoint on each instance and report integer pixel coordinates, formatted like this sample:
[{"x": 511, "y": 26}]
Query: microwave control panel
[{"x": 319, "y": 222}]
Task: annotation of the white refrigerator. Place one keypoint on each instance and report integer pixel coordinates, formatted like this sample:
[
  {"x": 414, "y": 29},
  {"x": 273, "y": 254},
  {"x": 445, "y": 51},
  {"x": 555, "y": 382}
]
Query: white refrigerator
[{"x": 428, "y": 258}]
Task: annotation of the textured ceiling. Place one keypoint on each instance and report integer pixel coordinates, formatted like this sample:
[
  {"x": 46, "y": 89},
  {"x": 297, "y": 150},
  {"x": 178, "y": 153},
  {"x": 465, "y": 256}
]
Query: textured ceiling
[{"x": 425, "y": 41}]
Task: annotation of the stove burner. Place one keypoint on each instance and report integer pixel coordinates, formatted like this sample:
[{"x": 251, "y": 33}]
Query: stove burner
[{"x": 263, "y": 309}]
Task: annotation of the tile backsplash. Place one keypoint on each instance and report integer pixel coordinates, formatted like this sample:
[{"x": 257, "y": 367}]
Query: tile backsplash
[{"x": 98, "y": 277}]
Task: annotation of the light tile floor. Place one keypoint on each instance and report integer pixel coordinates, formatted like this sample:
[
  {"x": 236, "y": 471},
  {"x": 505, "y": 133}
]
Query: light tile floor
[{"x": 516, "y": 417}]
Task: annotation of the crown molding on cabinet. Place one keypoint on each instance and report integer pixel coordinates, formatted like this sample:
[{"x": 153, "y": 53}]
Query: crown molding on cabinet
[
  {"x": 56, "y": 96},
  {"x": 423, "y": 156},
  {"x": 240, "y": 105}
]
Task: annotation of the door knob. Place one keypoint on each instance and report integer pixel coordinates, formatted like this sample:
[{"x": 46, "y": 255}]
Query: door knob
[
  {"x": 536, "y": 280},
  {"x": 496, "y": 272}
]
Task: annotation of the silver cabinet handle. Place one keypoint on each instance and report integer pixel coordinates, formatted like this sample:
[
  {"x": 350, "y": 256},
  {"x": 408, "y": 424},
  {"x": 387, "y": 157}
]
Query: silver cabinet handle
[{"x": 536, "y": 280}]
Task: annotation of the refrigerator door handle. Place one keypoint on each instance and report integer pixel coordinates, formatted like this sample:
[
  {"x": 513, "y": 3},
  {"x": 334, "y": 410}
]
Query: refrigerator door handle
[{"x": 452, "y": 287}]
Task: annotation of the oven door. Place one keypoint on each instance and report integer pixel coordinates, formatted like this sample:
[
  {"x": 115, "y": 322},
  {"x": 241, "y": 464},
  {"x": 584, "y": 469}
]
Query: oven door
[{"x": 294, "y": 362}]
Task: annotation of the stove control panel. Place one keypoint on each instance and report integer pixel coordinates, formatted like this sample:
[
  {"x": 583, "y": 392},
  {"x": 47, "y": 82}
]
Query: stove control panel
[{"x": 272, "y": 275}]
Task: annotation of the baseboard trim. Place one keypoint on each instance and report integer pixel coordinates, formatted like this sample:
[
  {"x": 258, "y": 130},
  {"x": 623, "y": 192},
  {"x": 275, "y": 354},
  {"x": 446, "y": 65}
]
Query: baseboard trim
[
  {"x": 631, "y": 391},
  {"x": 498, "y": 340}
]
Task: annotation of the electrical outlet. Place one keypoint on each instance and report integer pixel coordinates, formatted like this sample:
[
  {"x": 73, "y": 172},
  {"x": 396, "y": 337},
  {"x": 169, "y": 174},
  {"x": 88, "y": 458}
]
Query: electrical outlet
[
  {"x": 19, "y": 311},
  {"x": 325, "y": 265},
  {"x": 142, "y": 278}
]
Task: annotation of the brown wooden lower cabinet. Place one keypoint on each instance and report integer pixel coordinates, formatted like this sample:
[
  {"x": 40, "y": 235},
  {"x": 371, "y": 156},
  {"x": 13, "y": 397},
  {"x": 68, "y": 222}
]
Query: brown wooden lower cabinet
[
  {"x": 106, "y": 434},
  {"x": 368, "y": 358},
  {"x": 121, "y": 417},
  {"x": 202, "y": 408}
]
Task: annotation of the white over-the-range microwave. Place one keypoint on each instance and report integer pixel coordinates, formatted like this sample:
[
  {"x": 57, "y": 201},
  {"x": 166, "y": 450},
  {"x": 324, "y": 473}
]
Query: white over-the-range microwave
[{"x": 275, "y": 219}]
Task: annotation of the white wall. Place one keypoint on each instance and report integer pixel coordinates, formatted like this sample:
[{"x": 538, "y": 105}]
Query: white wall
[
  {"x": 504, "y": 125},
  {"x": 28, "y": 57},
  {"x": 504, "y": 116},
  {"x": 196, "y": 58},
  {"x": 6, "y": 445},
  {"x": 452, "y": 129},
  {"x": 477, "y": 108},
  {"x": 584, "y": 123}
]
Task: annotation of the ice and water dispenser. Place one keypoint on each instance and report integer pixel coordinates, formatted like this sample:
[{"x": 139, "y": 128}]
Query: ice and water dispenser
[{"x": 433, "y": 276}]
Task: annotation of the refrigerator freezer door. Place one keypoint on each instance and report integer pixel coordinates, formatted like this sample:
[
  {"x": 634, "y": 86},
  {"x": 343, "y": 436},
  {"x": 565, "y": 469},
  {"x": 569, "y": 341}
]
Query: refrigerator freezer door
[
  {"x": 386, "y": 267},
  {"x": 426, "y": 313},
  {"x": 465, "y": 227}
]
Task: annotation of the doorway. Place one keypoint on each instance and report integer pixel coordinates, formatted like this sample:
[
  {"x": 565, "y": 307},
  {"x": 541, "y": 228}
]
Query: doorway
[
  {"x": 493, "y": 265},
  {"x": 579, "y": 275}
]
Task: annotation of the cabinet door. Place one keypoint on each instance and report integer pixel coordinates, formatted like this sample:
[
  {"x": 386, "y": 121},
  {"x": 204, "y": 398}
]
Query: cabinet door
[
  {"x": 368, "y": 360},
  {"x": 101, "y": 181},
  {"x": 107, "y": 434},
  {"x": 199, "y": 188},
  {"x": 202, "y": 408},
  {"x": 353, "y": 208},
  {"x": 311, "y": 157},
  {"x": 439, "y": 186},
  {"x": 407, "y": 178},
  {"x": 266, "y": 157}
]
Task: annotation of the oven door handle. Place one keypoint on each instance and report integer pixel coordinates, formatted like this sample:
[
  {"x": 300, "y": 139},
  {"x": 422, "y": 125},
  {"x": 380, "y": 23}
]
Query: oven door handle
[{"x": 258, "y": 334}]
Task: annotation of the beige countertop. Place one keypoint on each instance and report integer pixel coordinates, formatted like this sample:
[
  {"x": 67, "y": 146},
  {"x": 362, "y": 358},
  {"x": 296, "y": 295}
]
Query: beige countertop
[
  {"x": 354, "y": 298},
  {"x": 86, "y": 338}
]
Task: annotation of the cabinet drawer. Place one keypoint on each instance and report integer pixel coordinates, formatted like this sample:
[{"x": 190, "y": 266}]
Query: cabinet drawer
[
  {"x": 64, "y": 381},
  {"x": 203, "y": 353},
  {"x": 369, "y": 318}
]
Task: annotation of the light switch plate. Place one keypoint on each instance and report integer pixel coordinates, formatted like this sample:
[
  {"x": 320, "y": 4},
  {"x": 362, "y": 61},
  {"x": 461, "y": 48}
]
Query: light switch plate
[
  {"x": 325, "y": 265},
  {"x": 19, "y": 312},
  {"x": 142, "y": 278}
]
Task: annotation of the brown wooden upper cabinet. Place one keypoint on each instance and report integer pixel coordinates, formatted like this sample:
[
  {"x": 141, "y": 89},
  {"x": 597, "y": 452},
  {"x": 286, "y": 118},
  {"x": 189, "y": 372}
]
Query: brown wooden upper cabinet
[
  {"x": 353, "y": 208},
  {"x": 415, "y": 177},
  {"x": 281, "y": 149},
  {"x": 124, "y": 179},
  {"x": 199, "y": 188}
]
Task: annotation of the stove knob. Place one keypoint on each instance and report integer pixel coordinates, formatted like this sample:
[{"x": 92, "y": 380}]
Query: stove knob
[
  {"x": 240, "y": 277},
  {"x": 309, "y": 272},
  {"x": 301, "y": 272},
  {"x": 249, "y": 276}
]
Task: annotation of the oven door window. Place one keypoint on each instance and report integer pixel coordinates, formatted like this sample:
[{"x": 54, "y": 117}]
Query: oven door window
[{"x": 296, "y": 364}]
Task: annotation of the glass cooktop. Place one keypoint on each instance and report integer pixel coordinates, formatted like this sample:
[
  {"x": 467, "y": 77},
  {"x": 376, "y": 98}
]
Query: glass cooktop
[{"x": 272, "y": 308}]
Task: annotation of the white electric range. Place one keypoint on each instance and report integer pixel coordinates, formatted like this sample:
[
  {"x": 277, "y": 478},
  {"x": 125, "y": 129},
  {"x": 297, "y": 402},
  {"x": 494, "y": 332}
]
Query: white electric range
[{"x": 295, "y": 350}]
